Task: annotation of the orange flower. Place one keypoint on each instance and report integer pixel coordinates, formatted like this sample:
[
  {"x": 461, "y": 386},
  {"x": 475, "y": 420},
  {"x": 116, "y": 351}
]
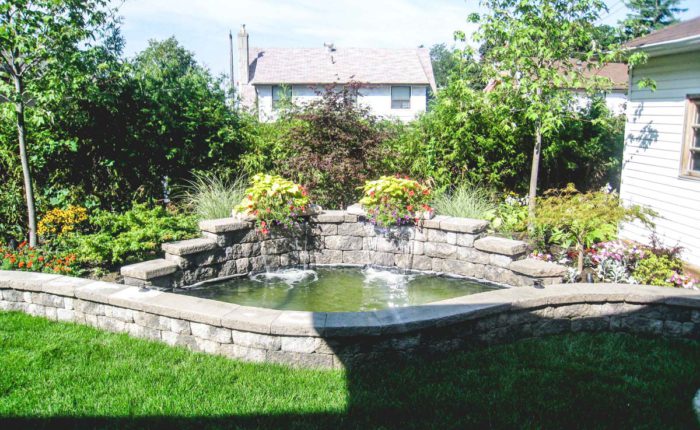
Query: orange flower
[{"x": 21, "y": 264}]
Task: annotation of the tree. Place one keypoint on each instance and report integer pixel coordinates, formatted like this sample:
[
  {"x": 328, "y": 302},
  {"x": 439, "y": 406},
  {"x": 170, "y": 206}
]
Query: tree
[
  {"x": 649, "y": 15},
  {"x": 534, "y": 47},
  {"x": 444, "y": 63},
  {"x": 37, "y": 38}
]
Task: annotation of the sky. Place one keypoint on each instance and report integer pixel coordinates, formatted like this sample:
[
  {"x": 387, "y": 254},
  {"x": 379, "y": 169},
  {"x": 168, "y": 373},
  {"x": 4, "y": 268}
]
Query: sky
[{"x": 202, "y": 26}]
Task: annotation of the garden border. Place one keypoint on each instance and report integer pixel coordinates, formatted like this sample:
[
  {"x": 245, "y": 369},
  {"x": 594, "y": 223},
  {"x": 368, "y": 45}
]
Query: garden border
[{"x": 336, "y": 340}]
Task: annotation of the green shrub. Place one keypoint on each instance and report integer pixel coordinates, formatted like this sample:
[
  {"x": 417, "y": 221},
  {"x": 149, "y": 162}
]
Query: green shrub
[
  {"x": 511, "y": 215},
  {"x": 135, "y": 235},
  {"x": 467, "y": 201},
  {"x": 575, "y": 219},
  {"x": 211, "y": 196},
  {"x": 657, "y": 270}
]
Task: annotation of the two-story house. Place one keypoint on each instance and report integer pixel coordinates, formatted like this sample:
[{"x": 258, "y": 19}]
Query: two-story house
[{"x": 395, "y": 82}]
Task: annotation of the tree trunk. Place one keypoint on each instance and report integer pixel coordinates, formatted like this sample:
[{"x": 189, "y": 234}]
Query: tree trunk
[
  {"x": 21, "y": 136},
  {"x": 579, "y": 263},
  {"x": 533, "y": 176}
]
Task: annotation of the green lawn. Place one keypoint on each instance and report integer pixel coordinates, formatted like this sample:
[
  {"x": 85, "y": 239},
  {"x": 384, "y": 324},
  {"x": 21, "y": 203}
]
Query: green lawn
[{"x": 55, "y": 374}]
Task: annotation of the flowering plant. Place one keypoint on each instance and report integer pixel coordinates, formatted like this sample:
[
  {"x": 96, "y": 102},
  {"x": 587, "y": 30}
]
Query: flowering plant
[
  {"x": 274, "y": 202},
  {"x": 683, "y": 281},
  {"x": 392, "y": 200},
  {"x": 31, "y": 259},
  {"x": 59, "y": 221}
]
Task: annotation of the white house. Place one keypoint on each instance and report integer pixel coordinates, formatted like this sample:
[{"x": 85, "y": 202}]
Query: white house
[
  {"x": 395, "y": 82},
  {"x": 661, "y": 163}
]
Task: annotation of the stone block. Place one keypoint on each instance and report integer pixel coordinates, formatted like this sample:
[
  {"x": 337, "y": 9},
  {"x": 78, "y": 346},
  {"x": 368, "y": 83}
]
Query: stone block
[
  {"x": 499, "y": 260},
  {"x": 500, "y": 245},
  {"x": 149, "y": 269},
  {"x": 180, "y": 326},
  {"x": 66, "y": 315},
  {"x": 244, "y": 318},
  {"x": 473, "y": 255},
  {"x": 384, "y": 244},
  {"x": 142, "y": 332},
  {"x": 298, "y": 359},
  {"x": 50, "y": 313},
  {"x": 208, "y": 332},
  {"x": 207, "y": 346},
  {"x": 17, "y": 296},
  {"x": 189, "y": 246},
  {"x": 357, "y": 210},
  {"x": 440, "y": 250},
  {"x": 356, "y": 257},
  {"x": 463, "y": 225},
  {"x": 537, "y": 268},
  {"x": 329, "y": 216},
  {"x": 174, "y": 339},
  {"x": 121, "y": 314},
  {"x": 224, "y": 225},
  {"x": 256, "y": 340},
  {"x": 433, "y": 223},
  {"x": 466, "y": 239},
  {"x": 295, "y": 323},
  {"x": 47, "y": 300},
  {"x": 355, "y": 229},
  {"x": 421, "y": 262},
  {"x": 324, "y": 229},
  {"x": 305, "y": 344},
  {"x": 90, "y": 308},
  {"x": 64, "y": 285},
  {"x": 328, "y": 256},
  {"x": 384, "y": 259},
  {"x": 244, "y": 353},
  {"x": 111, "y": 324},
  {"x": 440, "y": 236},
  {"x": 28, "y": 281},
  {"x": 343, "y": 243}
]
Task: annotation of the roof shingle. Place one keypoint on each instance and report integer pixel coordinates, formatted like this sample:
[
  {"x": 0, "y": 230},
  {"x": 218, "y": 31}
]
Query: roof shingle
[
  {"x": 682, "y": 30},
  {"x": 342, "y": 65}
]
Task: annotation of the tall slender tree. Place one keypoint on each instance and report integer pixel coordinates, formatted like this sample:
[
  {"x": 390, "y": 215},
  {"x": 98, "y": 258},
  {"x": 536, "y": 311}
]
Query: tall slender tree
[
  {"x": 39, "y": 38},
  {"x": 537, "y": 50},
  {"x": 648, "y": 15}
]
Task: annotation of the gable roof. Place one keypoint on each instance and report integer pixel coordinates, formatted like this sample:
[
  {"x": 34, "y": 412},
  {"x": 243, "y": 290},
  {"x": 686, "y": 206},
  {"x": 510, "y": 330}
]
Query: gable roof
[
  {"x": 683, "y": 31},
  {"x": 616, "y": 72},
  {"x": 341, "y": 65}
]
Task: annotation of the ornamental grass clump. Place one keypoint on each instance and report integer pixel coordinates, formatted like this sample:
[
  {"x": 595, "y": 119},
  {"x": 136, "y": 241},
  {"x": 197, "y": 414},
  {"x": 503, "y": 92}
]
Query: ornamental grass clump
[
  {"x": 211, "y": 196},
  {"x": 466, "y": 201},
  {"x": 392, "y": 200},
  {"x": 274, "y": 202}
]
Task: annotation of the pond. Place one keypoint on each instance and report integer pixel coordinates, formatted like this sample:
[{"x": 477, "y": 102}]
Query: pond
[{"x": 337, "y": 289}]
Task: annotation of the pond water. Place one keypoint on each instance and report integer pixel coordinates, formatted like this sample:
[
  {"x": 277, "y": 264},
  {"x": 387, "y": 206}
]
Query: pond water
[{"x": 337, "y": 289}]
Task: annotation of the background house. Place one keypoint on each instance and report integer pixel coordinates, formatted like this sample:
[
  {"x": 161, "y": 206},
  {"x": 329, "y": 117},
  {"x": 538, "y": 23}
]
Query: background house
[
  {"x": 661, "y": 163},
  {"x": 395, "y": 81}
]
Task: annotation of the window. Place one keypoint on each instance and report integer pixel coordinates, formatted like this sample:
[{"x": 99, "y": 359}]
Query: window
[
  {"x": 691, "y": 152},
  {"x": 401, "y": 97},
  {"x": 281, "y": 94}
]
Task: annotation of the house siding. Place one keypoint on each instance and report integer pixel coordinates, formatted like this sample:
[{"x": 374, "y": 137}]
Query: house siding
[
  {"x": 653, "y": 147},
  {"x": 376, "y": 97}
]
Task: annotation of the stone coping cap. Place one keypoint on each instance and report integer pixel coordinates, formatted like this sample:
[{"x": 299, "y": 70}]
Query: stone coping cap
[
  {"x": 500, "y": 245},
  {"x": 340, "y": 324},
  {"x": 330, "y": 216},
  {"x": 223, "y": 225},
  {"x": 189, "y": 246},
  {"x": 455, "y": 224},
  {"x": 149, "y": 269},
  {"x": 537, "y": 268}
]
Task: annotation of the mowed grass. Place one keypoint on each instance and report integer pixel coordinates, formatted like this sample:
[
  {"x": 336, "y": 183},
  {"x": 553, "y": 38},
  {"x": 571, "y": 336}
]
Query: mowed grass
[{"x": 56, "y": 375}]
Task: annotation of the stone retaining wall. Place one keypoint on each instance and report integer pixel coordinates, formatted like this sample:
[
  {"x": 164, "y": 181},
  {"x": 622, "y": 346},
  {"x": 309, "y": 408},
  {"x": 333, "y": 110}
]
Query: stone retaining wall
[
  {"x": 336, "y": 340},
  {"x": 231, "y": 247}
]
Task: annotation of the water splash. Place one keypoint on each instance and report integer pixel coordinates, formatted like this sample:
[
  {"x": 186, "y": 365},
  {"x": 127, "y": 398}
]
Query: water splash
[
  {"x": 290, "y": 277},
  {"x": 389, "y": 278},
  {"x": 696, "y": 405}
]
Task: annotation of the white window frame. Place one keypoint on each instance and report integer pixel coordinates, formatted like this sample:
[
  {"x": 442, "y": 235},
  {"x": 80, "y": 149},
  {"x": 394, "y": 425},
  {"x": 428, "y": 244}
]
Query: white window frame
[
  {"x": 404, "y": 103},
  {"x": 691, "y": 137}
]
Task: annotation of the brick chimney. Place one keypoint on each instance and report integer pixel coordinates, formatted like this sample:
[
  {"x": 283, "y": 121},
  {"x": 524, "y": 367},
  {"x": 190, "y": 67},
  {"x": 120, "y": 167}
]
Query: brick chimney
[{"x": 243, "y": 56}]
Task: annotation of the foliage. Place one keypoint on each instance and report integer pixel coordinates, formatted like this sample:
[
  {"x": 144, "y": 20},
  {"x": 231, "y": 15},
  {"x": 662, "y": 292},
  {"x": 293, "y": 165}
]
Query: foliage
[
  {"x": 120, "y": 238},
  {"x": 511, "y": 215},
  {"x": 274, "y": 202},
  {"x": 59, "y": 221},
  {"x": 31, "y": 259},
  {"x": 391, "y": 200},
  {"x": 657, "y": 270},
  {"x": 615, "y": 261},
  {"x": 466, "y": 201},
  {"x": 41, "y": 40},
  {"x": 646, "y": 16},
  {"x": 212, "y": 196},
  {"x": 336, "y": 145},
  {"x": 580, "y": 219},
  {"x": 533, "y": 50}
]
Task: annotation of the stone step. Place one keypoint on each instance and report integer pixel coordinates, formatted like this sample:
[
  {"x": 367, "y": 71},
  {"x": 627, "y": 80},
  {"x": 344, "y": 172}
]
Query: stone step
[
  {"x": 149, "y": 269},
  {"x": 223, "y": 225},
  {"x": 537, "y": 268},
  {"x": 500, "y": 245},
  {"x": 189, "y": 246}
]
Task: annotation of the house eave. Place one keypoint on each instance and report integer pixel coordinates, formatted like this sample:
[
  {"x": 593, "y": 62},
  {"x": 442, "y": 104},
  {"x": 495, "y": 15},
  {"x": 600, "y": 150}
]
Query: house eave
[{"x": 677, "y": 46}]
